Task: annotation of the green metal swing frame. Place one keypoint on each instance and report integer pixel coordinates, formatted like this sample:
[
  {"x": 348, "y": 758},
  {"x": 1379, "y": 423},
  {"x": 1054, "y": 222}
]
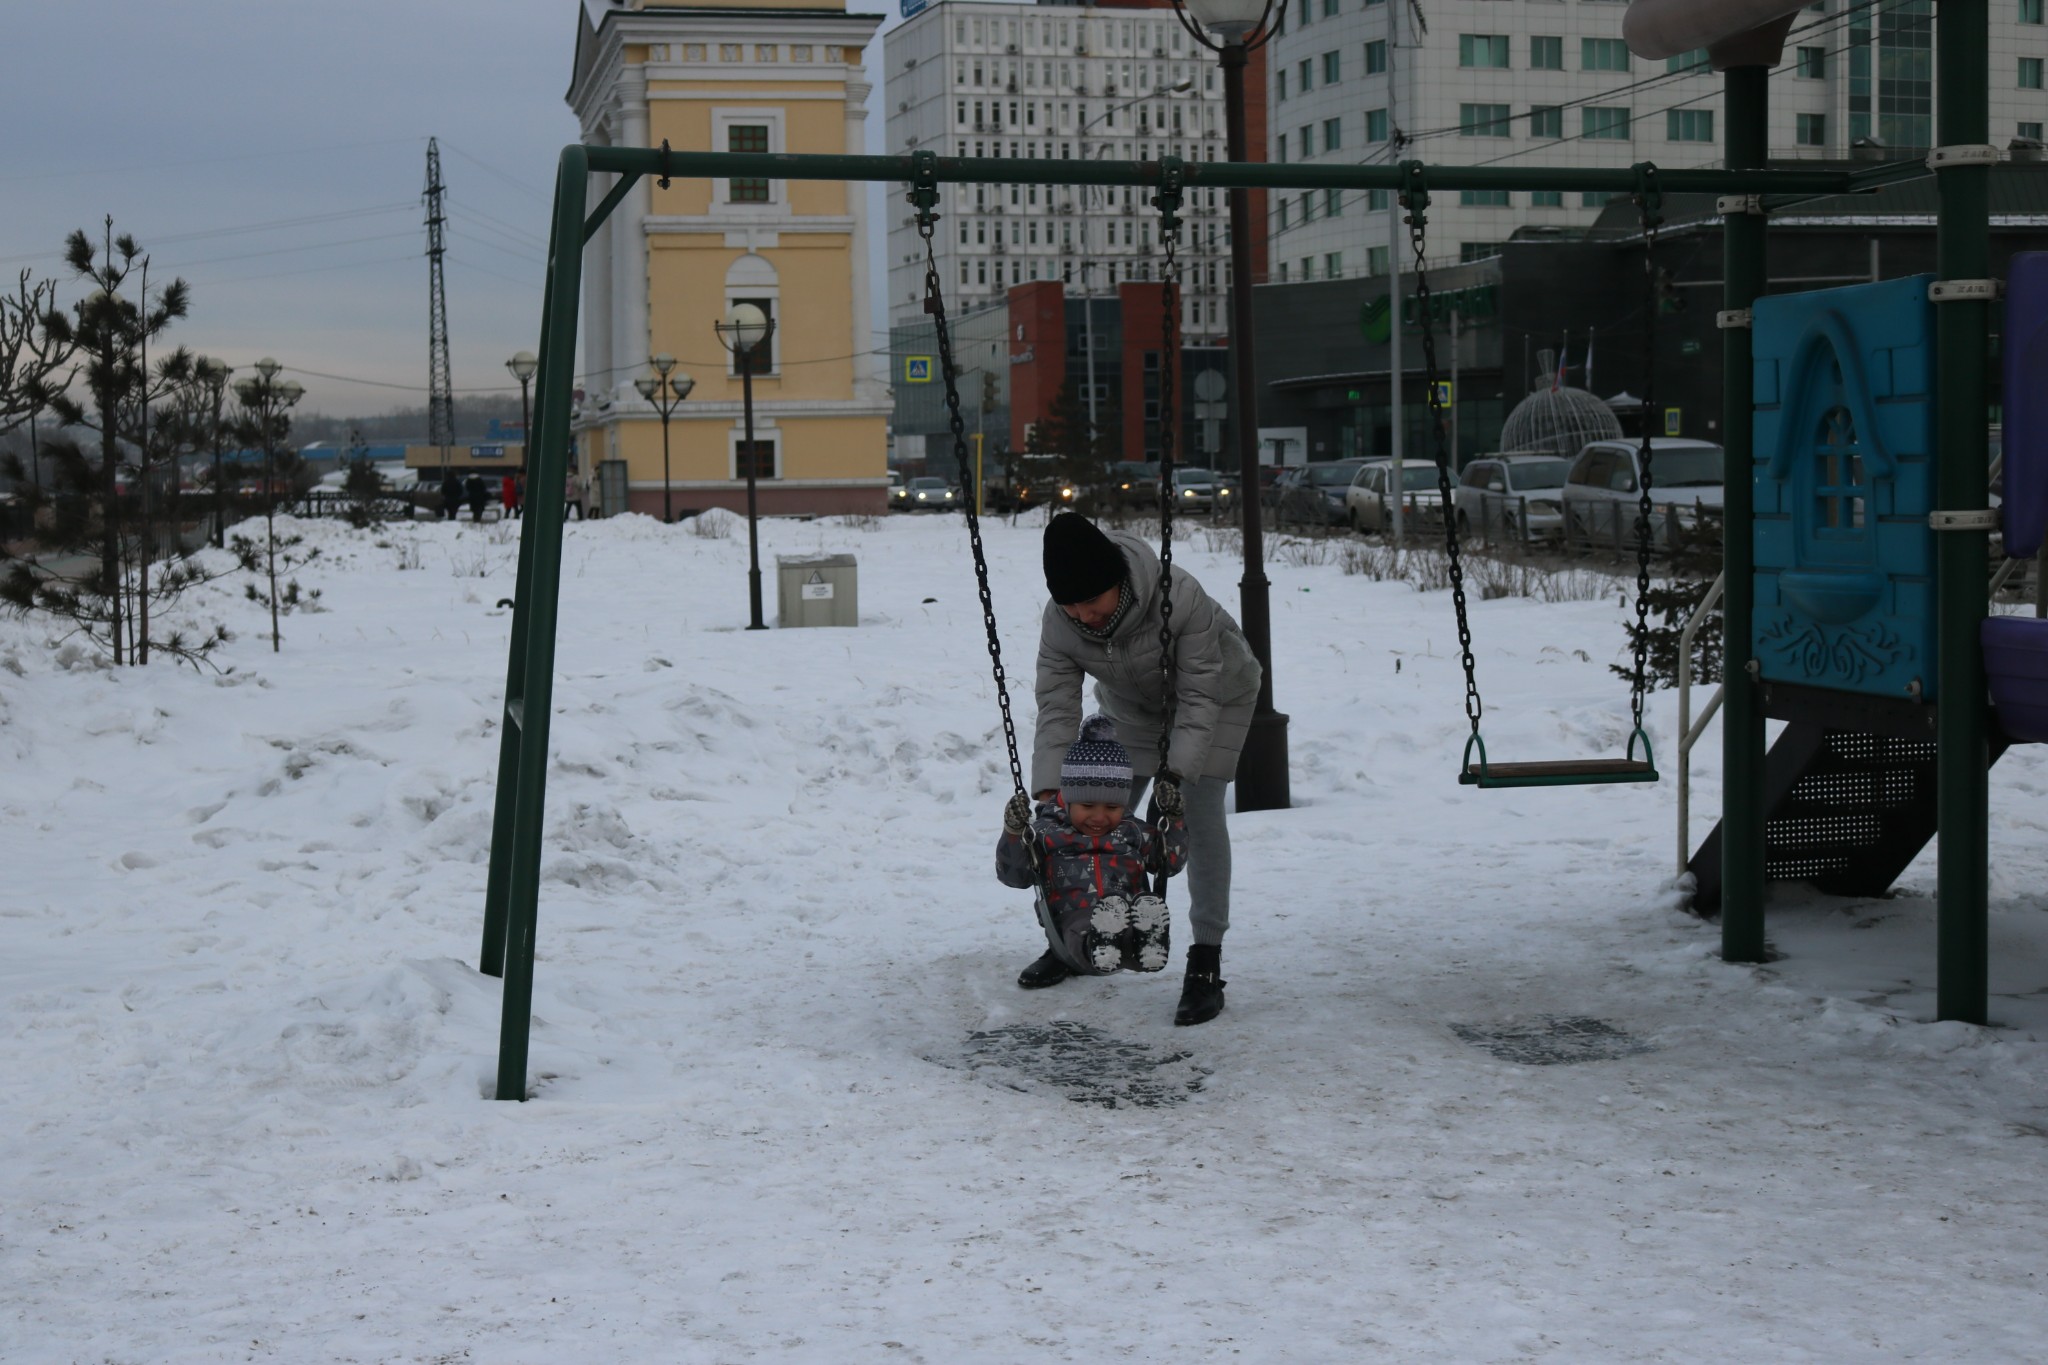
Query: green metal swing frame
[{"x": 511, "y": 896}]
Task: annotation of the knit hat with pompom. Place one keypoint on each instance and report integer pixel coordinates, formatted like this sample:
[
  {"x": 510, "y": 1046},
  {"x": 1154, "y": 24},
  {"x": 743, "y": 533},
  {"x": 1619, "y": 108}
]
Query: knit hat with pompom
[{"x": 1097, "y": 767}]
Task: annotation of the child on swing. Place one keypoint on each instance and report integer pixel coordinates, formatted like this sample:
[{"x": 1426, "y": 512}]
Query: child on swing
[{"x": 1098, "y": 912}]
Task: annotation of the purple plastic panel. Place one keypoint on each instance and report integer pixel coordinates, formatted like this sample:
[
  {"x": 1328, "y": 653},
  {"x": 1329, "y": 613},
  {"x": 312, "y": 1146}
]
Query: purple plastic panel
[
  {"x": 2026, "y": 404},
  {"x": 2016, "y": 666}
]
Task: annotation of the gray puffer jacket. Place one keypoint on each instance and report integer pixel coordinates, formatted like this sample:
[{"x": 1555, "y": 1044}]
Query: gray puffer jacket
[{"x": 1218, "y": 677}]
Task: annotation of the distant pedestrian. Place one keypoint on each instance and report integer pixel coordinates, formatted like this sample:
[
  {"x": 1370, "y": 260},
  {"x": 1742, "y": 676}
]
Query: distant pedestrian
[
  {"x": 451, "y": 495},
  {"x": 519, "y": 495},
  {"x": 572, "y": 497},
  {"x": 508, "y": 497},
  {"x": 478, "y": 495}
]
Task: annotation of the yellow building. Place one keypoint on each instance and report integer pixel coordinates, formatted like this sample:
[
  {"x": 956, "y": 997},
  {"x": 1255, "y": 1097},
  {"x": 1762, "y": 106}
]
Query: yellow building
[{"x": 740, "y": 75}]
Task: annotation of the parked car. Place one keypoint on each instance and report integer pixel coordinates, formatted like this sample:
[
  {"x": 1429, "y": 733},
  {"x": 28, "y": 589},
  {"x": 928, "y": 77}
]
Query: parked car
[
  {"x": 1367, "y": 501},
  {"x": 1270, "y": 476},
  {"x": 1313, "y": 495},
  {"x": 899, "y": 492},
  {"x": 1135, "y": 483},
  {"x": 933, "y": 495},
  {"x": 1202, "y": 490},
  {"x": 1605, "y": 483},
  {"x": 1513, "y": 496}
]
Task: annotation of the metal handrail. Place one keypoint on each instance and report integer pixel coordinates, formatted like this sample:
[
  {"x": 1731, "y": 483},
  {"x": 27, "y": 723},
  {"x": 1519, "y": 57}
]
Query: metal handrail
[{"x": 1689, "y": 731}]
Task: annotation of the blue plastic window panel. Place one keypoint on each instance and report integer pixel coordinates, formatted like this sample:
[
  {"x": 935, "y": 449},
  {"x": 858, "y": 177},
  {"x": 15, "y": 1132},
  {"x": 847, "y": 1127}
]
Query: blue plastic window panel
[{"x": 1843, "y": 480}]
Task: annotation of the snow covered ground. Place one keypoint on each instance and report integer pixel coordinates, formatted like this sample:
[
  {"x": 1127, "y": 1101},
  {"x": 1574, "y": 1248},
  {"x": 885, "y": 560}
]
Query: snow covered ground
[{"x": 789, "y": 1104}]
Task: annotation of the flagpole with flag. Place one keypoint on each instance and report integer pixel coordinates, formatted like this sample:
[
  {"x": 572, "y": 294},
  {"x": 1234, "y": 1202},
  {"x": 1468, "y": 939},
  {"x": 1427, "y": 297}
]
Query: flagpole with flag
[
  {"x": 1563, "y": 346},
  {"x": 1589, "y": 360}
]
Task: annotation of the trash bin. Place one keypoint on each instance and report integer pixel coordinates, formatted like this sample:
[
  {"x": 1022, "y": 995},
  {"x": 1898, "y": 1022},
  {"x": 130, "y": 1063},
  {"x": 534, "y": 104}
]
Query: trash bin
[{"x": 817, "y": 590}]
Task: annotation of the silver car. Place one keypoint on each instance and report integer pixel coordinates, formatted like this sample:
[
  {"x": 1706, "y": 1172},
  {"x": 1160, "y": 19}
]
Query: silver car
[
  {"x": 1313, "y": 495},
  {"x": 1201, "y": 490},
  {"x": 1368, "y": 501},
  {"x": 1514, "y": 497},
  {"x": 1605, "y": 484},
  {"x": 932, "y": 495}
]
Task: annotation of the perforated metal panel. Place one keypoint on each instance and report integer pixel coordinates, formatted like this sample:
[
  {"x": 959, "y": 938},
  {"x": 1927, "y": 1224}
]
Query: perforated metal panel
[{"x": 1847, "y": 809}]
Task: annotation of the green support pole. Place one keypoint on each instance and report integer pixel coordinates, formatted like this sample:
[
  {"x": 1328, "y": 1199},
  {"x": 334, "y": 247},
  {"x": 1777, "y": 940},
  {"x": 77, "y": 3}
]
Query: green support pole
[
  {"x": 534, "y": 617},
  {"x": 1742, "y": 720},
  {"x": 1962, "y": 483}
]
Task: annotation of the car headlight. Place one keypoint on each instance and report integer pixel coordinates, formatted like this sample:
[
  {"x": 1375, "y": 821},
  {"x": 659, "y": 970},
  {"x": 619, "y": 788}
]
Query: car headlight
[
  {"x": 1187, "y": 492},
  {"x": 1126, "y": 488}
]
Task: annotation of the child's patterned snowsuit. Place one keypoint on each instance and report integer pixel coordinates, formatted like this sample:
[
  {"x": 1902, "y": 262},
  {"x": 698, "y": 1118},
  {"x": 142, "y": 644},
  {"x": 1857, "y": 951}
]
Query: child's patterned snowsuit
[{"x": 1080, "y": 871}]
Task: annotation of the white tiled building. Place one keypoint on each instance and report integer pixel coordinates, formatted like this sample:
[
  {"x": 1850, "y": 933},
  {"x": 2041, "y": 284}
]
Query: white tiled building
[
  {"x": 1065, "y": 83},
  {"x": 1550, "y": 83}
]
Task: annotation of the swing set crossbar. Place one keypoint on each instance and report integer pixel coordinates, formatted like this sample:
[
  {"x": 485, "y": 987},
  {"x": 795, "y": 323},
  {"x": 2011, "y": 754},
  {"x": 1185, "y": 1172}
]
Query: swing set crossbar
[{"x": 1255, "y": 175}]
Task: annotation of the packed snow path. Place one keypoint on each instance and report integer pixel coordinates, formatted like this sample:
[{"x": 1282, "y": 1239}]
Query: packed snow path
[{"x": 1481, "y": 1093}]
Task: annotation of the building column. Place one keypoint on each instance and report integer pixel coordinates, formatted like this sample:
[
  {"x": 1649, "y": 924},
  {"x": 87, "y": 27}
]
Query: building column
[
  {"x": 868, "y": 382},
  {"x": 597, "y": 292},
  {"x": 630, "y": 336}
]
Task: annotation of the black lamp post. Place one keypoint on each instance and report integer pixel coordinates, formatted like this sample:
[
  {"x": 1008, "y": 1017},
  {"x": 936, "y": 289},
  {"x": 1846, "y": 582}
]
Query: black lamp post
[
  {"x": 1233, "y": 29},
  {"x": 213, "y": 373},
  {"x": 666, "y": 394},
  {"x": 522, "y": 367},
  {"x": 745, "y": 330}
]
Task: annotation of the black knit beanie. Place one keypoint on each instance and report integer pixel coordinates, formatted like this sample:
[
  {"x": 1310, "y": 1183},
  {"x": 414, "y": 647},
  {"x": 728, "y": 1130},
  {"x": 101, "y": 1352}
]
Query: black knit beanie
[{"x": 1080, "y": 562}]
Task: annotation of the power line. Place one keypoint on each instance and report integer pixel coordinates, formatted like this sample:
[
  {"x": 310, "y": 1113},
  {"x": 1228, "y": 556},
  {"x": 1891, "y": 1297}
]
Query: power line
[{"x": 514, "y": 181}]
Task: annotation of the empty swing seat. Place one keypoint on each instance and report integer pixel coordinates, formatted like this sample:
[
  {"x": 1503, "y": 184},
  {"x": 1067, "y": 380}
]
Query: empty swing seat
[{"x": 1567, "y": 772}]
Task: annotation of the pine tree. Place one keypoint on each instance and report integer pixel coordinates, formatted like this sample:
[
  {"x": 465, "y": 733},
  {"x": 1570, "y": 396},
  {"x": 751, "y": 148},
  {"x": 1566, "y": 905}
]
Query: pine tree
[
  {"x": 114, "y": 505},
  {"x": 1695, "y": 562}
]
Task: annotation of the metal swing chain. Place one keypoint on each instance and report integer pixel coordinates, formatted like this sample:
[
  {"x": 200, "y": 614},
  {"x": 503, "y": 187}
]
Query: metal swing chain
[
  {"x": 1416, "y": 200},
  {"x": 924, "y": 197},
  {"x": 1168, "y": 202},
  {"x": 1650, "y": 200}
]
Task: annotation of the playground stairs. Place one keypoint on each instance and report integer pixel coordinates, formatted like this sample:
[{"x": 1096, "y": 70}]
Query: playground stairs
[{"x": 1849, "y": 794}]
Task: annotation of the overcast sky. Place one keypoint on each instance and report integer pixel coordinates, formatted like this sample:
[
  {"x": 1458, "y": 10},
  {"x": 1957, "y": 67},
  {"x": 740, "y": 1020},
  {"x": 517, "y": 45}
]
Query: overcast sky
[{"x": 273, "y": 155}]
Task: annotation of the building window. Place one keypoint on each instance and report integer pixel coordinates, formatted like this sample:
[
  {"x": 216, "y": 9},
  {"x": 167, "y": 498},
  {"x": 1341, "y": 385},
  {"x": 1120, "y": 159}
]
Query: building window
[
  {"x": 1469, "y": 252},
  {"x": 1377, "y": 201},
  {"x": 1546, "y": 54},
  {"x": 1606, "y": 122},
  {"x": 1333, "y": 265},
  {"x": 1689, "y": 125},
  {"x": 1332, "y": 67},
  {"x": 1307, "y": 138},
  {"x": 1333, "y": 201},
  {"x": 746, "y": 137},
  {"x": 1482, "y": 49},
  {"x": 1304, "y": 77},
  {"x": 2030, "y": 73},
  {"x": 1280, "y": 85},
  {"x": 2032, "y": 130},
  {"x": 1603, "y": 54},
  {"x": 1376, "y": 260},
  {"x": 1376, "y": 58},
  {"x": 1695, "y": 62},
  {"x": 1308, "y": 267},
  {"x": 1375, "y": 125},
  {"x": 761, "y": 455},
  {"x": 1486, "y": 120},
  {"x": 1598, "y": 199},
  {"x": 2030, "y": 11},
  {"x": 1546, "y": 120},
  {"x": 1283, "y": 202},
  {"x": 1546, "y": 199},
  {"x": 1333, "y": 134},
  {"x": 1813, "y": 63},
  {"x": 1483, "y": 199},
  {"x": 1811, "y": 130},
  {"x": 764, "y": 352},
  {"x": 1329, "y": 8}
]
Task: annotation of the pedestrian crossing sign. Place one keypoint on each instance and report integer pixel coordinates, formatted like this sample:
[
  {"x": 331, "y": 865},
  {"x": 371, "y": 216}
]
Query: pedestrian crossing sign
[
  {"x": 917, "y": 369},
  {"x": 1443, "y": 393}
]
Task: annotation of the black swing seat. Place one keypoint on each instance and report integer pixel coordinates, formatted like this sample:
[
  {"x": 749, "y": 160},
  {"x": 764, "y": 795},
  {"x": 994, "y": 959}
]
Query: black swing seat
[
  {"x": 1569, "y": 772},
  {"x": 1564, "y": 772}
]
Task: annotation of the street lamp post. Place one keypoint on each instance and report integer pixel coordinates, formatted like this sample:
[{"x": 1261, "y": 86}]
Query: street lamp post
[
  {"x": 1233, "y": 29},
  {"x": 666, "y": 394},
  {"x": 268, "y": 399},
  {"x": 213, "y": 373},
  {"x": 745, "y": 330},
  {"x": 522, "y": 367}
]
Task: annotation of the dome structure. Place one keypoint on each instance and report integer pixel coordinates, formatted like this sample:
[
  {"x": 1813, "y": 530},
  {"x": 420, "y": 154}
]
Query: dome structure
[{"x": 1557, "y": 421}]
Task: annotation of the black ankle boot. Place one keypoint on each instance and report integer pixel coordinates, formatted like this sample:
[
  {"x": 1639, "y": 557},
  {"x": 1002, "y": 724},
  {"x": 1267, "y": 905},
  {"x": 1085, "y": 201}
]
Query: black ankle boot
[
  {"x": 1048, "y": 970},
  {"x": 1201, "y": 992}
]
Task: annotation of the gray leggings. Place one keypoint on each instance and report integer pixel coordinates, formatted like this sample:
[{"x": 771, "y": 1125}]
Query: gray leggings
[{"x": 1208, "y": 870}]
